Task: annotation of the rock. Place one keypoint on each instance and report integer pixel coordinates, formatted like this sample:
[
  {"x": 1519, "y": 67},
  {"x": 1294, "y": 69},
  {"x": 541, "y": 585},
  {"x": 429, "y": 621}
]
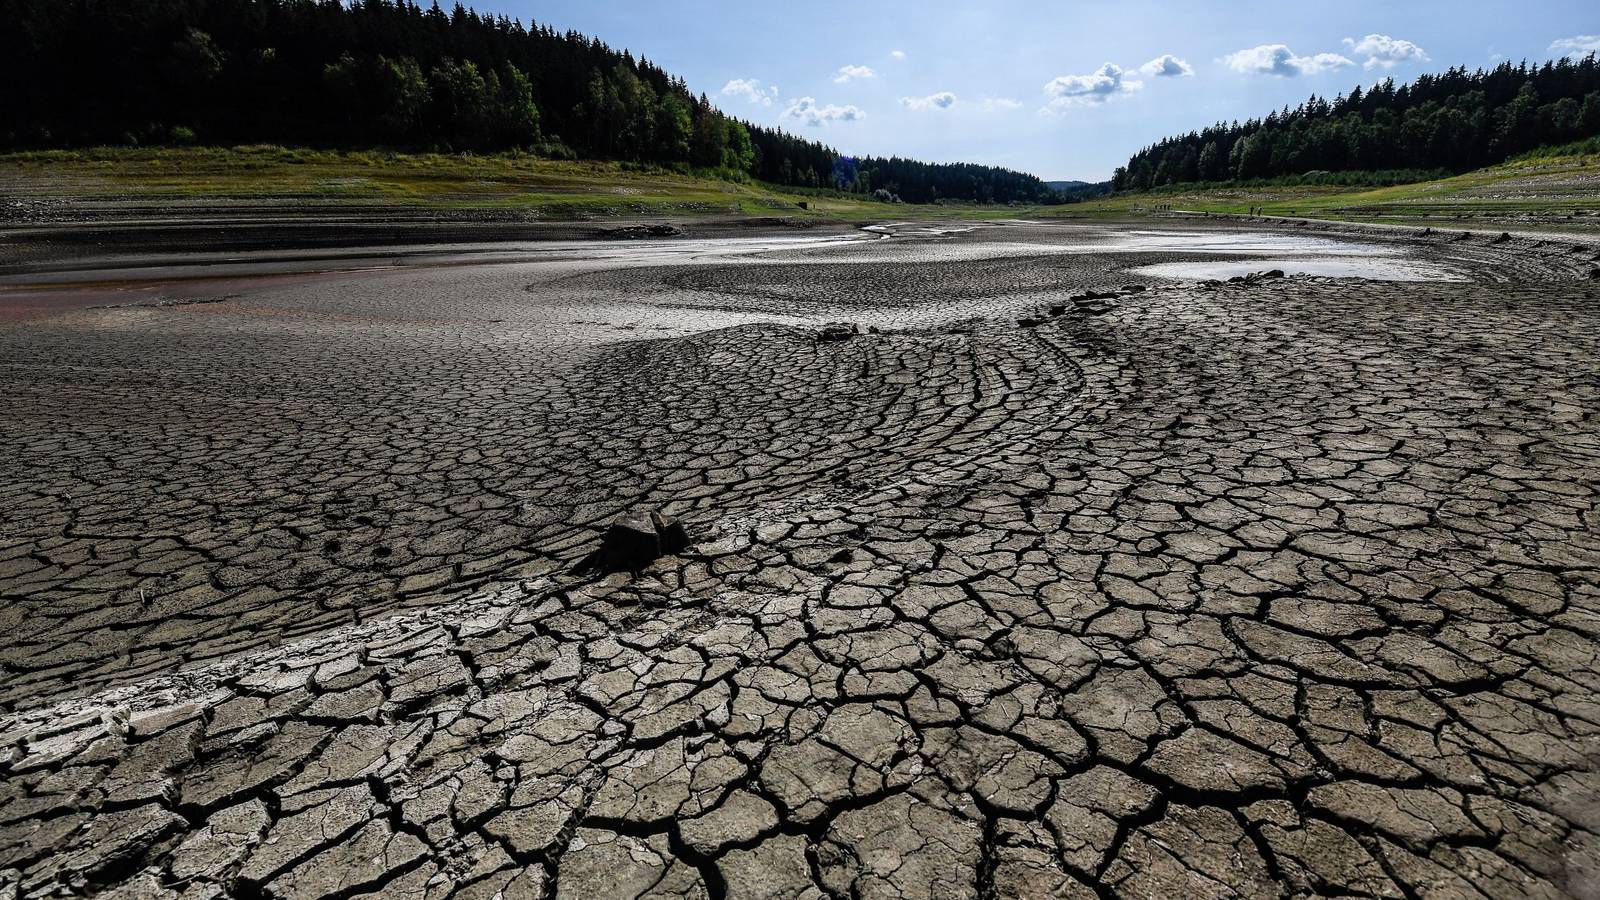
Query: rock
[
  {"x": 1060, "y": 309},
  {"x": 838, "y": 331},
  {"x": 1504, "y": 237},
  {"x": 1133, "y": 289},
  {"x": 635, "y": 539},
  {"x": 1030, "y": 322},
  {"x": 1255, "y": 277},
  {"x": 634, "y": 232}
]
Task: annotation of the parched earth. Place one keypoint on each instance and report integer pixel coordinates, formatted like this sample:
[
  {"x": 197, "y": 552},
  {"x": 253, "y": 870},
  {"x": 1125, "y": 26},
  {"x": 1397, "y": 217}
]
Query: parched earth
[{"x": 1286, "y": 587}]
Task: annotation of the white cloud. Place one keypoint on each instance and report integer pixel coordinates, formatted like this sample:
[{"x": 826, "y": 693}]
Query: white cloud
[
  {"x": 898, "y": 54},
  {"x": 807, "y": 111},
  {"x": 751, "y": 90},
  {"x": 1578, "y": 46},
  {"x": 1279, "y": 60},
  {"x": 1383, "y": 50},
  {"x": 1097, "y": 87},
  {"x": 848, "y": 72},
  {"x": 941, "y": 100},
  {"x": 1167, "y": 66}
]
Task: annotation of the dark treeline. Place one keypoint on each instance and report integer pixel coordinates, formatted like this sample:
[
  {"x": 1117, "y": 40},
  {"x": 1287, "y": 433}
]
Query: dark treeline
[
  {"x": 920, "y": 182},
  {"x": 1456, "y": 121},
  {"x": 911, "y": 181},
  {"x": 395, "y": 74}
]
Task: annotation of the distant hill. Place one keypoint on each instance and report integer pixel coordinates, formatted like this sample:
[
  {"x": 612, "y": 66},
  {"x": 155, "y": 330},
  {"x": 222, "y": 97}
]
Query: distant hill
[
  {"x": 1079, "y": 190},
  {"x": 402, "y": 74},
  {"x": 1455, "y": 122}
]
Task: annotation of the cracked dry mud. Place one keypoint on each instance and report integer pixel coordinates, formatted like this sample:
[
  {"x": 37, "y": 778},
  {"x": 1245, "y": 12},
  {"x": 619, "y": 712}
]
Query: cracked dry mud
[{"x": 1274, "y": 589}]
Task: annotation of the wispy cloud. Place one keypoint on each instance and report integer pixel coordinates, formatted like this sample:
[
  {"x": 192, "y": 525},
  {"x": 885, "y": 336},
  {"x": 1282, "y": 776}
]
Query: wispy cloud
[
  {"x": 898, "y": 54},
  {"x": 751, "y": 90},
  {"x": 1097, "y": 87},
  {"x": 948, "y": 100},
  {"x": 1577, "y": 47},
  {"x": 1385, "y": 51},
  {"x": 807, "y": 111},
  {"x": 1167, "y": 66},
  {"x": 941, "y": 100},
  {"x": 1279, "y": 60},
  {"x": 846, "y": 73}
]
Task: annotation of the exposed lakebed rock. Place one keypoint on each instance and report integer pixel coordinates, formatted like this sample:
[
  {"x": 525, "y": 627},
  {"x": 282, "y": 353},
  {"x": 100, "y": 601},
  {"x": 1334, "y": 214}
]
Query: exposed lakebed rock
[{"x": 636, "y": 232}]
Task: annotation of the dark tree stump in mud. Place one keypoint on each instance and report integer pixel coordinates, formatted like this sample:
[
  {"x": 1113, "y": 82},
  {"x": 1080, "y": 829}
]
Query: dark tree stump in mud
[{"x": 636, "y": 539}]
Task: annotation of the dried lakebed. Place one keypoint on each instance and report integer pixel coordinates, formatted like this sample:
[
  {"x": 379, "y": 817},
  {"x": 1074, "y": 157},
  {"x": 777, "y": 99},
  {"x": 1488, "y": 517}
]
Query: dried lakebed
[{"x": 1280, "y": 587}]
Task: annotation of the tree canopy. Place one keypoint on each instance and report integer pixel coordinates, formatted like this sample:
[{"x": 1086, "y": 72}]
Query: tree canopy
[
  {"x": 1456, "y": 121},
  {"x": 398, "y": 74}
]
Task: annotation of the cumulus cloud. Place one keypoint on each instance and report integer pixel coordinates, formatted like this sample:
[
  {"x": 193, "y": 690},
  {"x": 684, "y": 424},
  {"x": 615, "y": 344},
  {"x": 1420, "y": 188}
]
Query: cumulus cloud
[
  {"x": 941, "y": 100},
  {"x": 1279, "y": 60},
  {"x": 898, "y": 54},
  {"x": 1578, "y": 46},
  {"x": 807, "y": 111},
  {"x": 1167, "y": 66},
  {"x": 751, "y": 90},
  {"x": 1097, "y": 87},
  {"x": 1383, "y": 50},
  {"x": 848, "y": 72}
]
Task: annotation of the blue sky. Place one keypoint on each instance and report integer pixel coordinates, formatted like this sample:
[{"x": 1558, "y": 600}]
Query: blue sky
[{"x": 1063, "y": 90}]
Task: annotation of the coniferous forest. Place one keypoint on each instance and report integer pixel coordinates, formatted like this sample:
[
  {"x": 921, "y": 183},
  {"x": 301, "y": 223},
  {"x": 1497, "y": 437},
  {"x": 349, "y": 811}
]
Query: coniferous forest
[
  {"x": 1452, "y": 122},
  {"x": 392, "y": 73}
]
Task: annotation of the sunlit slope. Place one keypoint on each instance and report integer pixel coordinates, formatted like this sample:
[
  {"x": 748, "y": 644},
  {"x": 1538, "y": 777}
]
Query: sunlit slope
[
  {"x": 115, "y": 180},
  {"x": 1555, "y": 192}
]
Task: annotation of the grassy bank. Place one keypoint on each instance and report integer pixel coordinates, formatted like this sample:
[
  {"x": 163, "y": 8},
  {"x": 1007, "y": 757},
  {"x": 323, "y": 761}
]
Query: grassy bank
[
  {"x": 539, "y": 188},
  {"x": 1560, "y": 191}
]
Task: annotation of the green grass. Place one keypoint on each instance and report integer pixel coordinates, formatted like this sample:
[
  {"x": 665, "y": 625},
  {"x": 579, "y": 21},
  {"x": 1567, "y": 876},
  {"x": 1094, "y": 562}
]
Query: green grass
[
  {"x": 543, "y": 188},
  {"x": 1548, "y": 189},
  {"x": 1558, "y": 191}
]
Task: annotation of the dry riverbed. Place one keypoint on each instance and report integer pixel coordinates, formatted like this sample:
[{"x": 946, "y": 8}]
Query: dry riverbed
[{"x": 1279, "y": 586}]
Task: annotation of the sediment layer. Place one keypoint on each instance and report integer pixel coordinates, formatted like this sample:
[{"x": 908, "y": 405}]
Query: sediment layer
[{"x": 1285, "y": 587}]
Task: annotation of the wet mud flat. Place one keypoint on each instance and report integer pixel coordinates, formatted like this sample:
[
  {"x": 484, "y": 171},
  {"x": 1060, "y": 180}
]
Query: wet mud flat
[{"x": 1274, "y": 587}]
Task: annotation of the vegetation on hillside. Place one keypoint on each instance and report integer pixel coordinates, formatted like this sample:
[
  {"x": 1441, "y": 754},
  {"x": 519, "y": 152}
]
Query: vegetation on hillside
[
  {"x": 391, "y": 73},
  {"x": 114, "y": 182},
  {"x": 1454, "y": 122},
  {"x": 1550, "y": 189}
]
